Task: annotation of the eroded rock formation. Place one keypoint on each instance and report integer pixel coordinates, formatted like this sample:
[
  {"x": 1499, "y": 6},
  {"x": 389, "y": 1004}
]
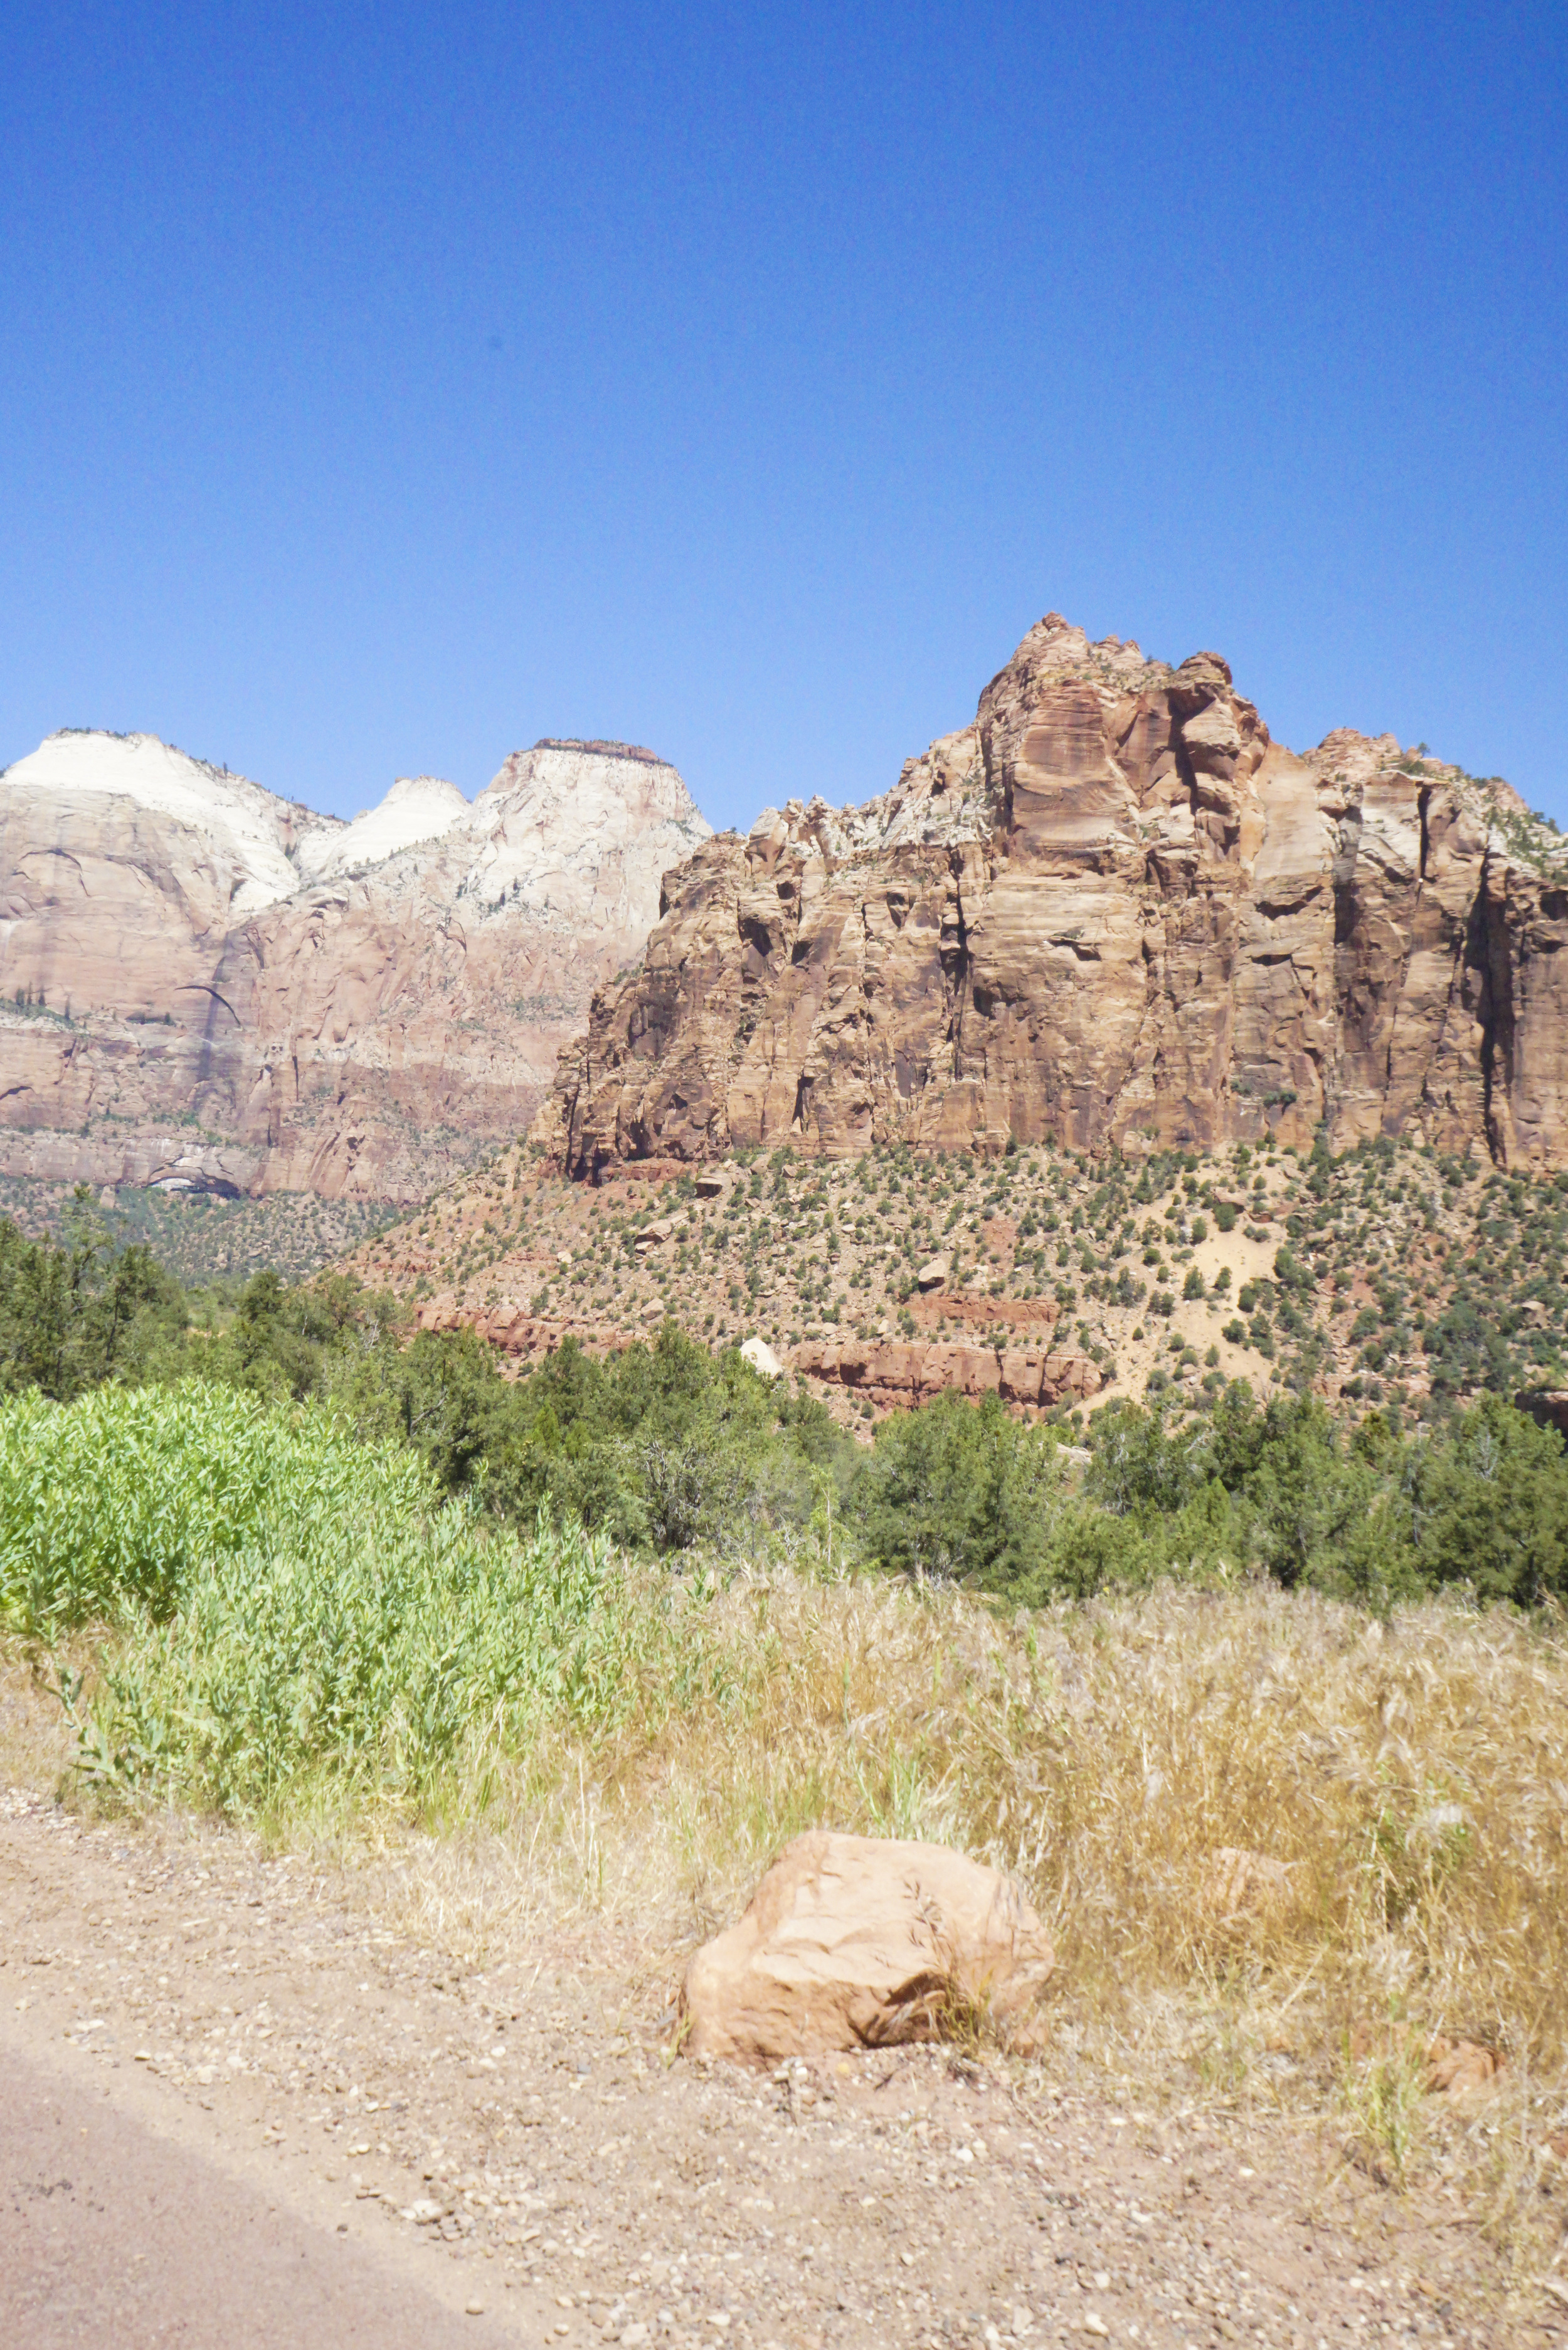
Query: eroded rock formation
[
  {"x": 894, "y": 1373},
  {"x": 1111, "y": 910},
  {"x": 202, "y": 983}
]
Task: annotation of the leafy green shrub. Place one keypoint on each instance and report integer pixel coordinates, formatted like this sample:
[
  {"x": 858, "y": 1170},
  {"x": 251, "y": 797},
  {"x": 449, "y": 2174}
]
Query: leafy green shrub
[
  {"x": 74, "y": 1314},
  {"x": 117, "y": 1500},
  {"x": 286, "y": 1606},
  {"x": 392, "y": 1657},
  {"x": 956, "y": 1489},
  {"x": 1492, "y": 1506}
]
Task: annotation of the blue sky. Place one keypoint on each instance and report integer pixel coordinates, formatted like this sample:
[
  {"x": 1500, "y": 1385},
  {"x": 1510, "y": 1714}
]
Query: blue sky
[{"x": 383, "y": 387}]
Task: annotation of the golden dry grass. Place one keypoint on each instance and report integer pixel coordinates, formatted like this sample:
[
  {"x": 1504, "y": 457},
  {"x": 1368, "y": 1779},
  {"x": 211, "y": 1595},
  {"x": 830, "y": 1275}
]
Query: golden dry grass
[
  {"x": 1411, "y": 1778},
  {"x": 1403, "y": 1785},
  {"x": 1408, "y": 1779}
]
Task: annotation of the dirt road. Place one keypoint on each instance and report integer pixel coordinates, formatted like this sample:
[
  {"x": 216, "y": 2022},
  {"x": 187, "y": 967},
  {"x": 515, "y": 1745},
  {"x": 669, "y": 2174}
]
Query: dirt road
[
  {"x": 115, "y": 2235},
  {"x": 290, "y": 2111}
]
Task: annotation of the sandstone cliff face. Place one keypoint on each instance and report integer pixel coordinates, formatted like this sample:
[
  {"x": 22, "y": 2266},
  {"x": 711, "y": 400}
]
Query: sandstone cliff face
[
  {"x": 1111, "y": 909},
  {"x": 200, "y": 981}
]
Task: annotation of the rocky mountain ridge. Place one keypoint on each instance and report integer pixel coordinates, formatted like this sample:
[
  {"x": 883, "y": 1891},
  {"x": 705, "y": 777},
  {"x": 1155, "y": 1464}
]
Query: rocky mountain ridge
[
  {"x": 202, "y": 983},
  {"x": 1112, "y": 911}
]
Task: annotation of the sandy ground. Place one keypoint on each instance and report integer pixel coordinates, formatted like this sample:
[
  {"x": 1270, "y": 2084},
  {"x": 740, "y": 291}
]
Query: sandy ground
[
  {"x": 288, "y": 2108},
  {"x": 115, "y": 2232}
]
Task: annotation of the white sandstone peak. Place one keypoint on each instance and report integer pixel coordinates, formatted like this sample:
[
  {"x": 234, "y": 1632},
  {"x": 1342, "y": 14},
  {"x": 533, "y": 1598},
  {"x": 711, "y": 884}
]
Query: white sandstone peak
[
  {"x": 240, "y": 821},
  {"x": 417, "y": 809},
  {"x": 568, "y": 822},
  {"x": 563, "y": 824}
]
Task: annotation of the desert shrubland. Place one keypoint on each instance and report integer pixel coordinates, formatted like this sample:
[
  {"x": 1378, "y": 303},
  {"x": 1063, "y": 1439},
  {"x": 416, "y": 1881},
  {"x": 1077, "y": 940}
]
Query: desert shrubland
[{"x": 1231, "y": 1801}]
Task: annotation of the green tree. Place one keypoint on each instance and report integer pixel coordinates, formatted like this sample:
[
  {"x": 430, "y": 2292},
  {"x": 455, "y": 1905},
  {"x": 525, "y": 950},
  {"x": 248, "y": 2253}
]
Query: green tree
[
  {"x": 958, "y": 1491},
  {"x": 1490, "y": 1506}
]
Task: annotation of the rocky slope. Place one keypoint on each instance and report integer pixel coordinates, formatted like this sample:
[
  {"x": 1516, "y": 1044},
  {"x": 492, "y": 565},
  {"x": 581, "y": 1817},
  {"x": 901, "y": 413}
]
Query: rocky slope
[
  {"x": 1112, "y": 911},
  {"x": 1394, "y": 1274},
  {"x": 205, "y": 985}
]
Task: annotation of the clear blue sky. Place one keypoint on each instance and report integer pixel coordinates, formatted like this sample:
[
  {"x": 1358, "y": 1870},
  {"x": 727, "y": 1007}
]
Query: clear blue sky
[{"x": 382, "y": 386}]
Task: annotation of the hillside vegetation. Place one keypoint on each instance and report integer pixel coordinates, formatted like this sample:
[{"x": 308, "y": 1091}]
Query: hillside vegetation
[
  {"x": 298, "y": 1629},
  {"x": 678, "y": 1450},
  {"x": 204, "y": 1236},
  {"x": 1392, "y": 1274}
]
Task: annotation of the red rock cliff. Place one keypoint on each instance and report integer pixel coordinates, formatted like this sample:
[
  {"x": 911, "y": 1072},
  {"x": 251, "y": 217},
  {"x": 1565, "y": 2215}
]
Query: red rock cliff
[{"x": 1110, "y": 908}]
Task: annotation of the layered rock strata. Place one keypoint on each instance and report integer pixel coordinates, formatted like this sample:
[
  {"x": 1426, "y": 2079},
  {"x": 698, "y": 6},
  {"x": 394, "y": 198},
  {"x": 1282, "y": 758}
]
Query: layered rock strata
[
  {"x": 512, "y": 1330},
  {"x": 976, "y": 1306},
  {"x": 891, "y": 1374},
  {"x": 894, "y": 1373},
  {"x": 204, "y": 984},
  {"x": 1110, "y": 911}
]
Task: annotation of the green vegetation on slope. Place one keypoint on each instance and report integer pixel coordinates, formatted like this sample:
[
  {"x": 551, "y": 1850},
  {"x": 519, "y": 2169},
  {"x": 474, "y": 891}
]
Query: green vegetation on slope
[
  {"x": 675, "y": 1450},
  {"x": 671, "y": 1448},
  {"x": 1395, "y": 1274},
  {"x": 204, "y": 1237}
]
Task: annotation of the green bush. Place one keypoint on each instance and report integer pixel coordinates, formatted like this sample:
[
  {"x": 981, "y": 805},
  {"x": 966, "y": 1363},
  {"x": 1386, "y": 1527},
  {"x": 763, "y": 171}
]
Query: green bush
[
  {"x": 958, "y": 1490},
  {"x": 75, "y": 1314},
  {"x": 115, "y": 1501},
  {"x": 1491, "y": 1506},
  {"x": 665, "y": 1448},
  {"x": 289, "y": 1606}
]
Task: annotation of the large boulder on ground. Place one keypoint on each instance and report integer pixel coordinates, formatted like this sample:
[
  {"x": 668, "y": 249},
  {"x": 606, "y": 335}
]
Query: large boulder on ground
[{"x": 864, "y": 1941}]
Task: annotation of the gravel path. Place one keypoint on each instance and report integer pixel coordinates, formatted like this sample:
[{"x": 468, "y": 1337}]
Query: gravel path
[
  {"x": 115, "y": 2235},
  {"x": 395, "y": 2134}
]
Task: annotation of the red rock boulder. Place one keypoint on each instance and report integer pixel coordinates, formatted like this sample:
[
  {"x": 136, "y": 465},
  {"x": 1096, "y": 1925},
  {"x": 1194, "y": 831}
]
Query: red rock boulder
[{"x": 863, "y": 1942}]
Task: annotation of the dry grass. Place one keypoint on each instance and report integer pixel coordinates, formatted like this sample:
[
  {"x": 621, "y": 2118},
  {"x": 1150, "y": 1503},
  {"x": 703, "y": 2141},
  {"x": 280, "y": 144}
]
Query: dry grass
[
  {"x": 1410, "y": 1778},
  {"x": 1406, "y": 1782}
]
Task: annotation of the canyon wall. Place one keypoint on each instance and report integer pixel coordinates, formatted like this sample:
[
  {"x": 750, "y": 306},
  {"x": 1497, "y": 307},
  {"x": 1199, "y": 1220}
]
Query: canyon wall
[
  {"x": 1110, "y": 911},
  {"x": 204, "y": 984}
]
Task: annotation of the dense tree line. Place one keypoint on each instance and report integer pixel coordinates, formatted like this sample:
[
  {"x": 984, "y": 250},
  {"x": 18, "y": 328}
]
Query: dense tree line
[{"x": 676, "y": 1448}]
